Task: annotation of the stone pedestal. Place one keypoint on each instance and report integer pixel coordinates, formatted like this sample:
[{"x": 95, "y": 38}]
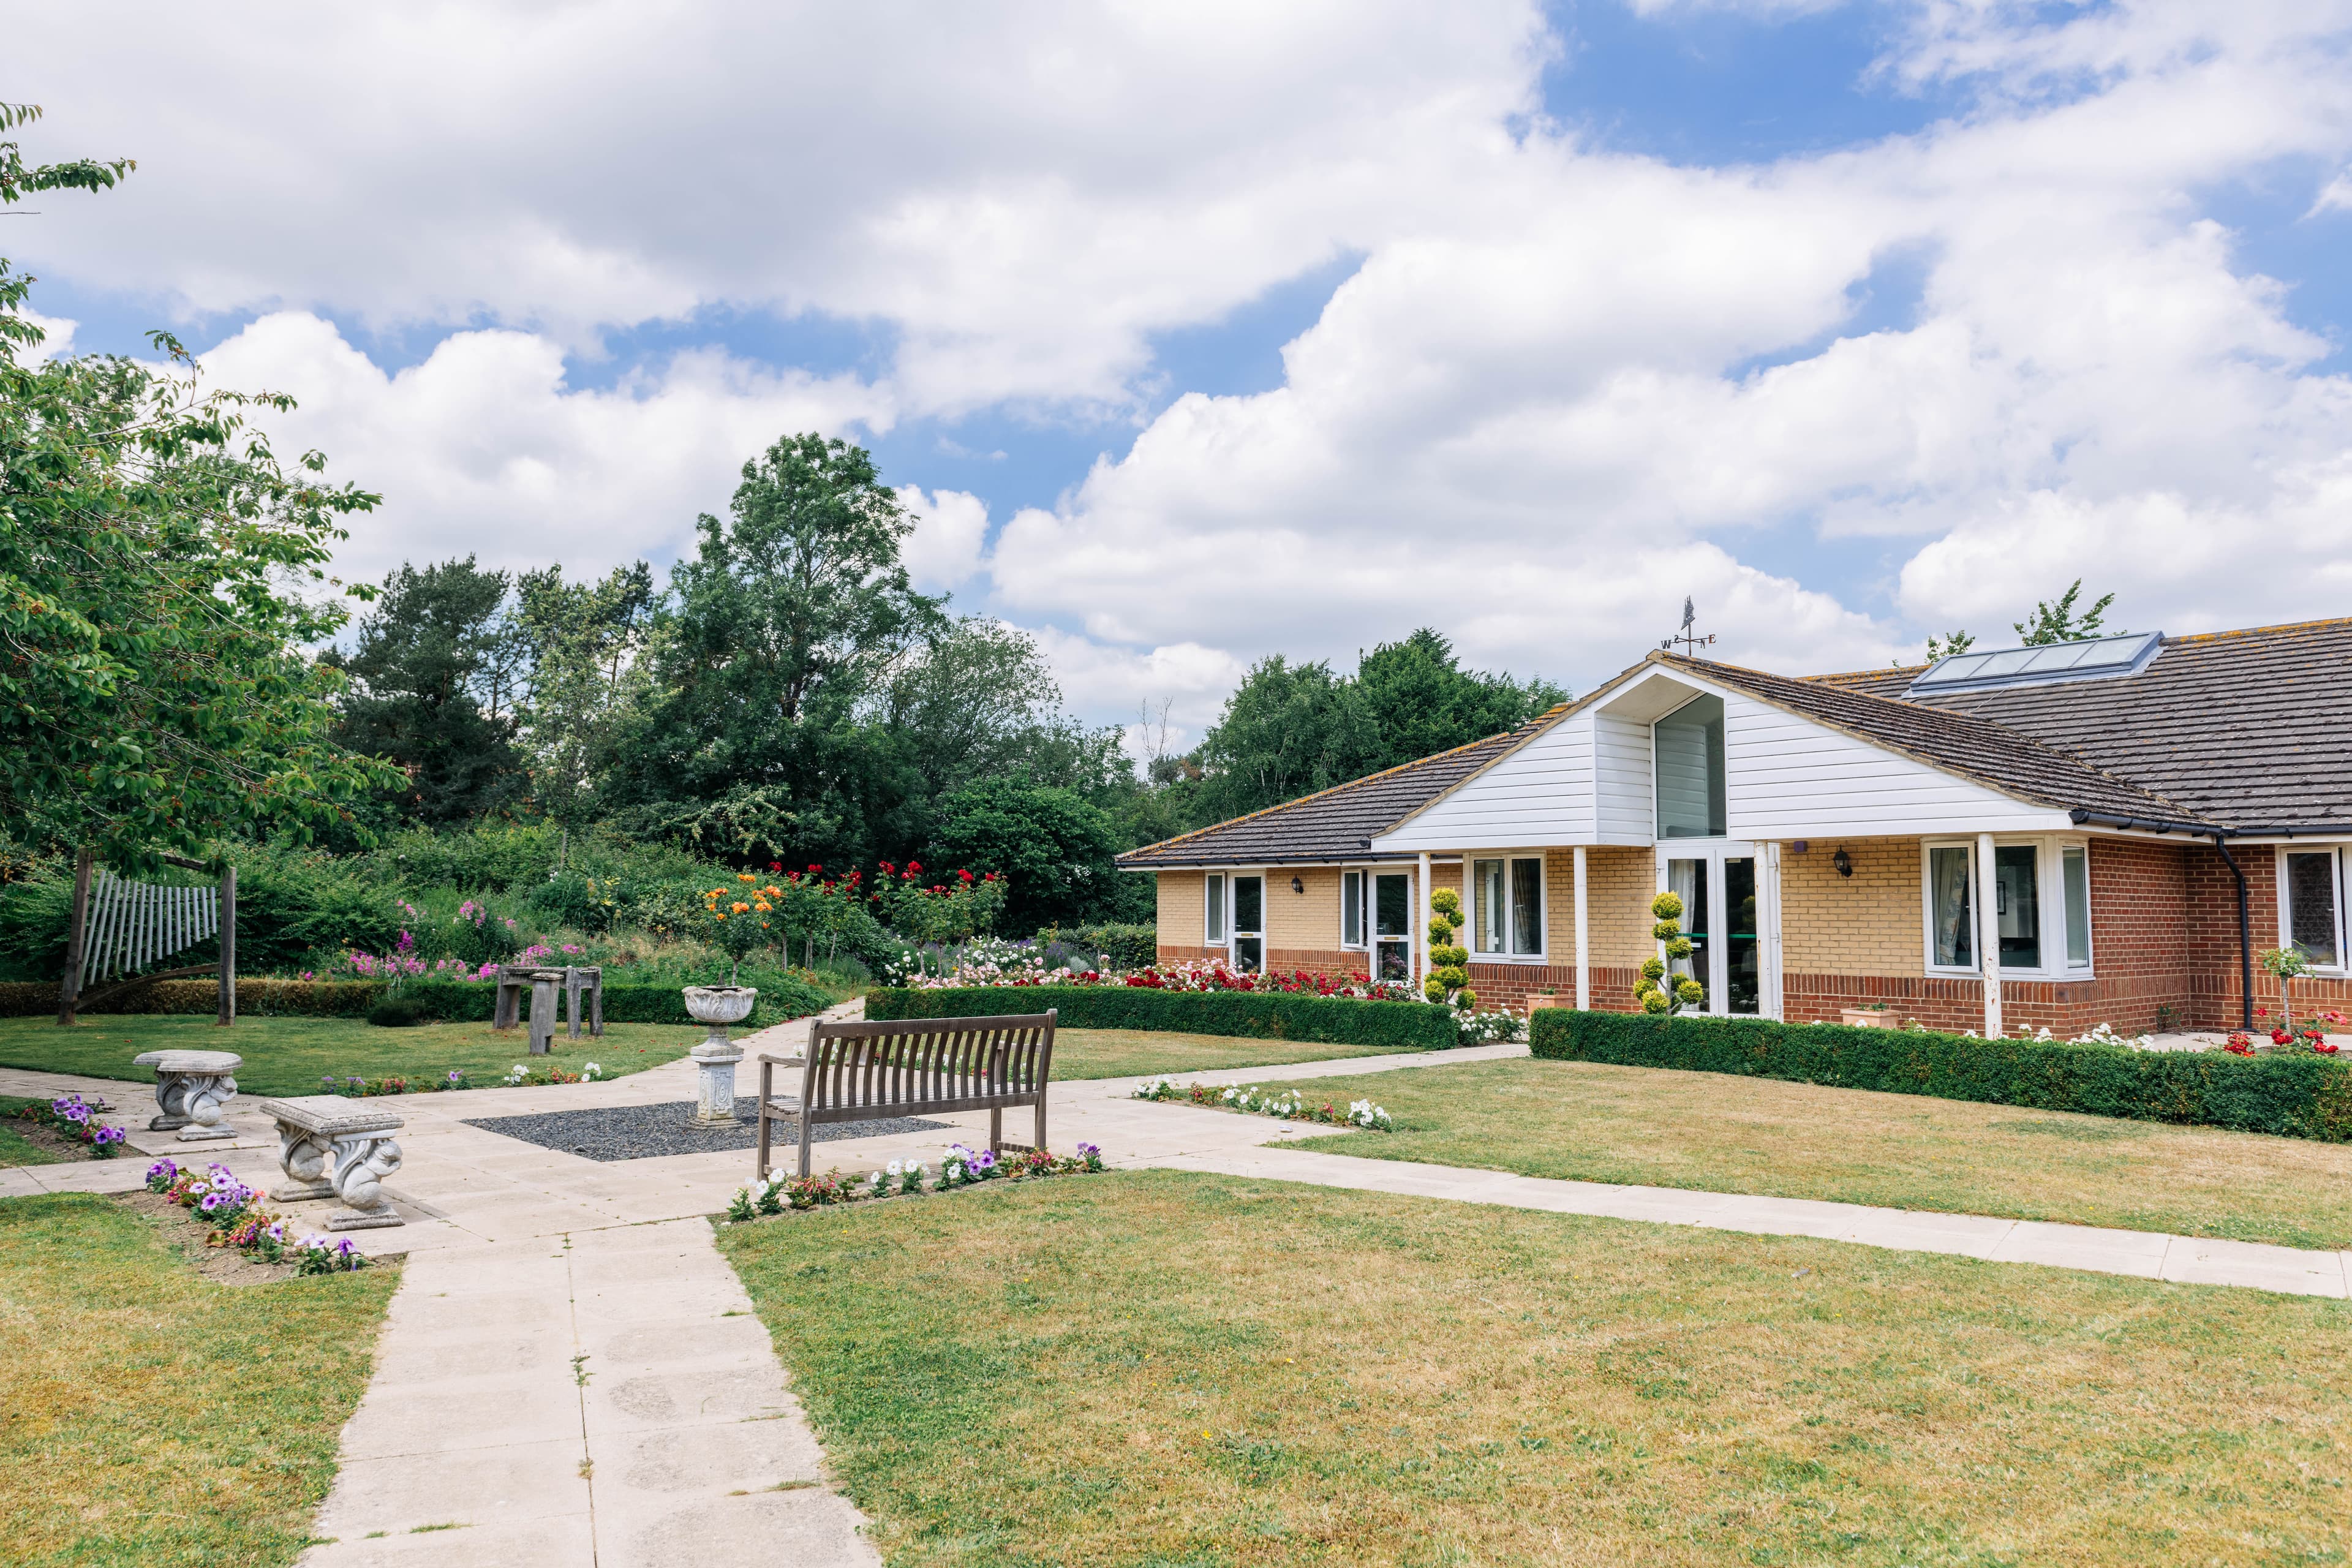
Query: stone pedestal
[
  {"x": 190, "y": 1087},
  {"x": 332, "y": 1147},
  {"x": 715, "y": 1059}
]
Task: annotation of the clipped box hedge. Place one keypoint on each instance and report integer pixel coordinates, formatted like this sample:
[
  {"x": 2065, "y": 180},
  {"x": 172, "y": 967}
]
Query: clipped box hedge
[
  {"x": 438, "y": 1001},
  {"x": 1251, "y": 1015},
  {"x": 2293, "y": 1096}
]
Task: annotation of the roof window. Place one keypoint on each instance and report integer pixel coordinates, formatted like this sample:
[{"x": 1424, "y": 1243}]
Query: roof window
[{"x": 2095, "y": 658}]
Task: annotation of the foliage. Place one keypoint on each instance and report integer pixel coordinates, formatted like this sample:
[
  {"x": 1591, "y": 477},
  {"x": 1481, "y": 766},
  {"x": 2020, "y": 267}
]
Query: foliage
[
  {"x": 70, "y": 1118},
  {"x": 1288, "y": 1104},
  {"x": 2057, "y": 621},
  {"x": 738, "y": 919},
  {"x": 1053, "y": 847},
  {"x": 1253, "y": 1015},
  {"x": 2293, "y": 1096},
  {"x": 583, "y": 640},
  {"x": 1125, "y": 946},
  {"x": 783, "y": 995},
  {"x": 958, "y": 907},
  {"x": 1449, "y": 978},
  {"x": 1652, "y": 990},
  {"x": 959, "y": 1167},
  {"x": 2285, "y": 965},
  {"x": 1947, "y": 646}
]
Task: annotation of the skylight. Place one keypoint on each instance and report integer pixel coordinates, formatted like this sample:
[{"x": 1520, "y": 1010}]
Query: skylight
[{"x": 2093, "y": 659}]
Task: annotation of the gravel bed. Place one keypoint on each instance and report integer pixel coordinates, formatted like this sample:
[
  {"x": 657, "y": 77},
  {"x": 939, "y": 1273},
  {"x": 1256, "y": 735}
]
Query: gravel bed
[{"x": 646, "y": 1131}]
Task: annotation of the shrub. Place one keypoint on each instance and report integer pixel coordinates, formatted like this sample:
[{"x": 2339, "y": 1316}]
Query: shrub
[
  {"x": 1128, "y": 946},
  {"x": 396, "y": 1012},
  {"x": 2293, "y": 1096},
  {"x": 1249, "y": 1014}
]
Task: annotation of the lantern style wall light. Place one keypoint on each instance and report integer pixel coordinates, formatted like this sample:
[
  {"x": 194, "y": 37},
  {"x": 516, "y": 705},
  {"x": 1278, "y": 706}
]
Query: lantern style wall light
[
  {"x": 1297, "y": 886},
  {"x": 1843, "y": 862}
]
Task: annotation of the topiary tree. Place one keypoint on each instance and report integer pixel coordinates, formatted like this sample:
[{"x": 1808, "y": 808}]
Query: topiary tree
[
  {"x": 1652, "y": 991},
  {"x": 1449, "y": 979},
  {"x": 2285, "y": 965}
]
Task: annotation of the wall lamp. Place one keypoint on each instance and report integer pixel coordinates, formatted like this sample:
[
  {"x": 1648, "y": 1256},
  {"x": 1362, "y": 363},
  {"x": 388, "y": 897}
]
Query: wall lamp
[
  {"x": 1297, "y": 886},
  {"x": 1843, "y": 862}
]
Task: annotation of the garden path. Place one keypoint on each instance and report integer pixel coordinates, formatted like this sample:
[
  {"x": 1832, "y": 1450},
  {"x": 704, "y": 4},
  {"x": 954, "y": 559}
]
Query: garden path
[{"x": 530, "y": 1270}]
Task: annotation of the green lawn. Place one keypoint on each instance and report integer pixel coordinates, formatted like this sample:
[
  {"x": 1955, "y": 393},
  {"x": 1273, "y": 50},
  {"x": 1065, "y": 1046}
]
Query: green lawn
[
  {"x": 1589, "y": 1121},
  {"x": 1165, "y": 1368},
  {"x": 1133, "y": 1053},
  {"x": 149, "y": 1416},
  {"x": 16, "y": 1149},
  {"x": 288, "y": 1055}
]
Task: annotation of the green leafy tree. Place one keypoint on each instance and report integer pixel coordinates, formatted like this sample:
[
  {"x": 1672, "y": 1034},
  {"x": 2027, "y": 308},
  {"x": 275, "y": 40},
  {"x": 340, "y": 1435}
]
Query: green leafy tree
[
  {"x": 1449, "y": 976},
  {"x": 1950, "y": 644},
  {"x": 417, "y": 674},
  {"x": 1422, "y": 702},
  {"x": 1288, "y": 730},
  {"x": 1659, "y": 990},
  {"x": 154, "y": 698},
  {"x": 579, "y": 644},
  {"x": 2058, "y": 621},
  {"x": 1053, "y": 847}
]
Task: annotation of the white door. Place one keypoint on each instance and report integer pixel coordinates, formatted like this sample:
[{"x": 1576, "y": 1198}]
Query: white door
[
  {"x": 1726, "y": 911},
  {"x": 1249, "y": 925}
]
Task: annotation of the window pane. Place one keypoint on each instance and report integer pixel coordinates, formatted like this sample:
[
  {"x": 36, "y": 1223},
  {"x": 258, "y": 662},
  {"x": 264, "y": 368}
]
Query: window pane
[
  {"x": 1393, "y": 912},
  {"x": 1687, "y": 755},
  {"x": 2077, "y": 862},
  {"x": 2018, "y": 906},
  {"x": 1526, "y": 908},
  {"x": 1249, "y": 906},
  {"x": 1249, "y": 954},
  {"x": 1487, "y": 905},
  {"x": 1352, "y": 909},
  {"x": 1688, "y": 879},
  {"x": 1953, "y": 923},
  {"x": 1743, "y": 987},
  {"x": 2311, "y": 906},
  {"x": 1216, "y": 910}
]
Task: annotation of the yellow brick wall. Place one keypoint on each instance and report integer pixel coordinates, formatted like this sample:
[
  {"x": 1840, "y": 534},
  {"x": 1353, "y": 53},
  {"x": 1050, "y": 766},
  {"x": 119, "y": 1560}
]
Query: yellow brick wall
[
  {"x": 1619, "y": 883},
  {"x": 1868, "y": 923},
  {"x": 1180, "y": 910},
  {"x": 1303, "y": 920}
]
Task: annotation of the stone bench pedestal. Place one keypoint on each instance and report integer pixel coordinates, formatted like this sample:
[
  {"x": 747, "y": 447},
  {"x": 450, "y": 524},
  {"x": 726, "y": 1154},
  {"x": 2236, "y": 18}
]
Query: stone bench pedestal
[
  {"x": 190, "y": 1087},
  {"x": 332, "y": 1147}
]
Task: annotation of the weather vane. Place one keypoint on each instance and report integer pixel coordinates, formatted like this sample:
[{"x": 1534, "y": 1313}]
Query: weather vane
[{"x": 1691, "y": 641}]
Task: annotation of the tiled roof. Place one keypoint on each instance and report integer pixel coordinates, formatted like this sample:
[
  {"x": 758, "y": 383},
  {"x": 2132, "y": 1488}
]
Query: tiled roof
[
  {"x": 2251, "y": 728},
  {"x": 1335, "y": 824},
  {"x": 1971, "y": 746}
]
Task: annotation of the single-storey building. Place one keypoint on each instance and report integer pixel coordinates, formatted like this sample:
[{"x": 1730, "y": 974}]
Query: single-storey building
[{"x": 2062, "y": 835}]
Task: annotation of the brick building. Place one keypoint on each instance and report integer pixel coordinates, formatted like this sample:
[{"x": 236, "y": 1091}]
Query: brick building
[{"x": 2104, "y": 831}]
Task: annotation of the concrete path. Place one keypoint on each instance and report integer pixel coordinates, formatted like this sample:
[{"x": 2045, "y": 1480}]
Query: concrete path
[{"x": 572, "y": 1373}]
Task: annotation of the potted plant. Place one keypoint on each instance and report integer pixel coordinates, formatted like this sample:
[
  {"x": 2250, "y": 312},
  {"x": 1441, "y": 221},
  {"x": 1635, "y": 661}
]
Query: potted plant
[
  {"x": 1869, "y": 1015},
  {"x": 1547, "y": 997}
]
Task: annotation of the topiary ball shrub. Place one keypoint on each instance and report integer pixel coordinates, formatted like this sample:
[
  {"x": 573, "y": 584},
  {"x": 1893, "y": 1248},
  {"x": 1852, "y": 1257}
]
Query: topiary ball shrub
[{"x": 396, "y": 1012}]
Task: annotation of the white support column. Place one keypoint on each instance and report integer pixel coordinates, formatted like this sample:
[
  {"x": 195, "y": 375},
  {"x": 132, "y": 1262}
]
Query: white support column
[
  {"x": 1987, "y": 936},
  {"x": 1420, "y": 926},
  {"x": 1583, "y": 941},
  {"x": 1767, "y": 915}
]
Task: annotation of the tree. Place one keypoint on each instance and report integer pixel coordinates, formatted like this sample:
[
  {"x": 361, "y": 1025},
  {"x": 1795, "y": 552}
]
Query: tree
[
  {"x": 580, "y": 644},
  {"x": 153, "y": 696},
  {"x": 1422, "y": 702},
  {"x": 418, "y": 674},
  {"x": 1053, "y": 847},
  {"x": 1950, "y": 644},
  {"x": 2058, "y": 623}
]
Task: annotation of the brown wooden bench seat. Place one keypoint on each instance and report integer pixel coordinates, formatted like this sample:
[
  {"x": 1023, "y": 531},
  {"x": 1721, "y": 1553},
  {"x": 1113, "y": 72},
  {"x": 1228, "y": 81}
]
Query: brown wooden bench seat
[{"x": 863, "y": 1072}]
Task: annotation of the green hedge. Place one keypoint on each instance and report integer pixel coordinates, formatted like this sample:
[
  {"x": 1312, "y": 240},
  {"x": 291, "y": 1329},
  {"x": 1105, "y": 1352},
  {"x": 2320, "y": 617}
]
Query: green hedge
[
  {"x": 2298, "y": 1096},
  {"x": 1129, "y": 946},
  {"x": 1261, "y": 1015},
  {"x": 441, "y": 1001}
]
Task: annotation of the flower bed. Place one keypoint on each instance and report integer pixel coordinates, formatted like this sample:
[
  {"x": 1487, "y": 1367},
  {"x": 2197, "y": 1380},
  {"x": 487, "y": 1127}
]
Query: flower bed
[
  {"x": 437, "y": 1000},
  {"x": 1286, "y": 1105},
  {"x": 72, "y": 1119},
  {"x": 959, "y": 1167},
  {"x": 237, "y": 1221},
  {"x": 354, "y": 1087}
]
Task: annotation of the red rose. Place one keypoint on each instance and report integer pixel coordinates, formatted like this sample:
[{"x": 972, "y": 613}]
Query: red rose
[
  {"x": 2280, "y": 1037},
  {"x": 965, "y": 875}
]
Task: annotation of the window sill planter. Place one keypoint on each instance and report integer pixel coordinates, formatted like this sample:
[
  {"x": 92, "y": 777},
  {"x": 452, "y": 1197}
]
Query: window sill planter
[{"x": 1864, "y": 1017}]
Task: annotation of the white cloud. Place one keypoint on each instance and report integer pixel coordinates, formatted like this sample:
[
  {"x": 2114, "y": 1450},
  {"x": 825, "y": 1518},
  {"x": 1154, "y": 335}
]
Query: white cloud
[
  {"x": 950, "y": 526},
  {"x": 484, "y": 450}
]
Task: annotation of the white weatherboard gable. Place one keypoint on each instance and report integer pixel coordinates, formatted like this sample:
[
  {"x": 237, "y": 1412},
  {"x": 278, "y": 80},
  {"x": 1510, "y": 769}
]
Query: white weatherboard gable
[{"x": 1587, "y": 780}]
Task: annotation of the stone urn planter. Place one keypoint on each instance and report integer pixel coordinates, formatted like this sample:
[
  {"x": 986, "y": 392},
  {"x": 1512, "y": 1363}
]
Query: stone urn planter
[
  {"x": 718, "y": 1005},
  {"x": 1864, "y": 1017}
]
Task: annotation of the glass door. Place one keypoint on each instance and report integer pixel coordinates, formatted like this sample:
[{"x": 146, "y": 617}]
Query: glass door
[
  {"x": 1249, "y": 925},
  {"x": 1723, "y": 918},
  {"x": 1393, "y": 926}
]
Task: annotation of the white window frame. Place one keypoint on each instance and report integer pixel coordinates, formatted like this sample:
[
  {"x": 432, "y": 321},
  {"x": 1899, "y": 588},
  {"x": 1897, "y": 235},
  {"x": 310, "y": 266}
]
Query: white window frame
[
  {"x": 2050, "y": 894},
  {"x": 1363, "y": 878},
  {"x": 2337, "y": 852},
  {"x": 1217, "y": 901},
  {"x": 1542, "y": 954}
]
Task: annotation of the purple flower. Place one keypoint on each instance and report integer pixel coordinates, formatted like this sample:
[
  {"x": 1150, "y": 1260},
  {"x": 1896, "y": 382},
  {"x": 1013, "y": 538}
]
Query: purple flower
[
  {"x": 344, "y": 1247},
  {"x": 984, "y": 1161},
  {"x": 211, "y": 1202}
]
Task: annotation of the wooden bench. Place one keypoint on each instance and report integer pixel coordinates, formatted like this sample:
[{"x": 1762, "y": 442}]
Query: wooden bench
[{"x": 864, "y": 1072}]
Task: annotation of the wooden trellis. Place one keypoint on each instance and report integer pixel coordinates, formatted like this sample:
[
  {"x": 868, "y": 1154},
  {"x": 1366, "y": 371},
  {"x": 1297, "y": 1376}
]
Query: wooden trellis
[{"x": 119, "y": 927}]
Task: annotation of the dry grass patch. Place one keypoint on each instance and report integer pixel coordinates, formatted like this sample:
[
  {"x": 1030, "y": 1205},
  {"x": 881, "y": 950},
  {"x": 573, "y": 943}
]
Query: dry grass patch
[
  {"x": 149, "y": 1417},
  {"x": 1137, "y": 1053},
  {"x": 1164, "y": 1368},
  {"x": 1593, "y": 1122}
]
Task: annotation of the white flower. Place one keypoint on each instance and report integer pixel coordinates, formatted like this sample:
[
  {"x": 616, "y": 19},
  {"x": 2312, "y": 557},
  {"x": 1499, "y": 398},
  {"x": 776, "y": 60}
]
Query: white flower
[{"x": 893, "y": 1168}]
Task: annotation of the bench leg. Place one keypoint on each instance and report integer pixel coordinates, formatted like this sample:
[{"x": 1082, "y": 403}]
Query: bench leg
[
  {"x": 767, "y": 1075},
  {"x": 800, "y": 1131},
  {"x": 1040, "y": 1144},
  {"x": 996, "y": 1130}
]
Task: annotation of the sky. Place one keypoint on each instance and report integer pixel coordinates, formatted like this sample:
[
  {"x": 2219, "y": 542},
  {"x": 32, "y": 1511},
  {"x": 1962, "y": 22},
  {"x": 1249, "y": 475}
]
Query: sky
[{"x": 1191, "y": 334}]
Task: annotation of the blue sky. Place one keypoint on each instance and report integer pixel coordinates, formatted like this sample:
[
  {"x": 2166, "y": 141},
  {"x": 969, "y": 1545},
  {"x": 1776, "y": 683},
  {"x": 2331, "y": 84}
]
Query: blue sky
[{"x": 1857, "y": 321}]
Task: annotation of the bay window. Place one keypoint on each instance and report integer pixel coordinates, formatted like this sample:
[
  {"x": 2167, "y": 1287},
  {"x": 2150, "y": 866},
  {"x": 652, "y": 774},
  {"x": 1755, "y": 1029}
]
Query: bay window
[
  {"x": 1506, "y": 906},
  {"x": 2041, "y": 895}
]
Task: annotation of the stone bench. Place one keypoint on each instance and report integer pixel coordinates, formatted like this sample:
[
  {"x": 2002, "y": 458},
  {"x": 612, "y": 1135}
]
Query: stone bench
[
  {"x": 333, "y": 1147},
  {"x": 190, "y": 1087}
]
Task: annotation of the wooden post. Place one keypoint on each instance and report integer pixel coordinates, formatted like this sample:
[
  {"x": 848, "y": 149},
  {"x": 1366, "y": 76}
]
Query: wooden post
[
  {"x": 227, "y": 948},
  {"x": 70, "y": 988},
  {"x": 572, "y": 1000},
  {"x": 542, "y": 1009}
]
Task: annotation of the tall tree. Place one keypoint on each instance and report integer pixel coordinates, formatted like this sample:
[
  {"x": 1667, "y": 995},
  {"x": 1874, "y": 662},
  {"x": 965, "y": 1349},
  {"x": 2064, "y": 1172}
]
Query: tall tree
[
  {"x": 153, "y": 693},
  {"x": 1422, "y": 701},
  {"x": 1051, "y": 845},
  {"x": 580, "y": 644},
  {"x": 2058, "y": 621},
  {"x": 417, "y": 672}
]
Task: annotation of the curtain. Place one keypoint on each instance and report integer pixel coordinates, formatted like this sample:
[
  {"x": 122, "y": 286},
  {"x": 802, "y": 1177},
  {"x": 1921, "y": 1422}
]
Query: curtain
[{"x": 1947, "y": 872}]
